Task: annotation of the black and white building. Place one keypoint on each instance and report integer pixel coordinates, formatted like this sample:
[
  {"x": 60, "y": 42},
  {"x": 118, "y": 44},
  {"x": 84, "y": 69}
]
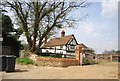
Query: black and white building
[{"x": 62, "y": 45}]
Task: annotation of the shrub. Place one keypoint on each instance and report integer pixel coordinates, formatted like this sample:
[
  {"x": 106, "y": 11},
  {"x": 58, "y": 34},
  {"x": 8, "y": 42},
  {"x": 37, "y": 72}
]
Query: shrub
[
  {"x": 89, "y": 61},
  {"x": 24, "y": 54},
  {"x": 24, "y": 61},
  {"x": 115, "y": 60}
]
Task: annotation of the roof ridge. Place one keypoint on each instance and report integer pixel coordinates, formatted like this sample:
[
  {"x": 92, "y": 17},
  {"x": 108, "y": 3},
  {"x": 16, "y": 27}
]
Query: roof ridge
[{"x": 63, "y": 37}]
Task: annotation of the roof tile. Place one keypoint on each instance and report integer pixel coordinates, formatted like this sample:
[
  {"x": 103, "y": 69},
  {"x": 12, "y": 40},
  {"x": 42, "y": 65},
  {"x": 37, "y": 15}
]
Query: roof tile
[{"x": 58, "y": 41}]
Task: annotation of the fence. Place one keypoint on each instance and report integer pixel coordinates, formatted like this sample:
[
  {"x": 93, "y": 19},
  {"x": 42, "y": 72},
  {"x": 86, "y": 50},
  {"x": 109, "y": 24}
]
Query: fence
[{"x": 107, "y": 56}]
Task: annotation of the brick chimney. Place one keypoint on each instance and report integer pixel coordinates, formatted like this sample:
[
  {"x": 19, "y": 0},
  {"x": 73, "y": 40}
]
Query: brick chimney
[{"x": 62, "y": 33}]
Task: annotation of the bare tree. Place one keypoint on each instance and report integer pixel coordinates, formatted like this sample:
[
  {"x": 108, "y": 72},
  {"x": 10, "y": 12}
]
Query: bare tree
[{"x": 40, "y": 19}]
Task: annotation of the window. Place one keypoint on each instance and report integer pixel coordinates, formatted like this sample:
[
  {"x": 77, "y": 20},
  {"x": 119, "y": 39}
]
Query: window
[
  {"x": 61, "y": 52},
  {"x": 61, "y": 46},
  {"x": 72, "y": 47},
  {"x": 50, "y": 47}
]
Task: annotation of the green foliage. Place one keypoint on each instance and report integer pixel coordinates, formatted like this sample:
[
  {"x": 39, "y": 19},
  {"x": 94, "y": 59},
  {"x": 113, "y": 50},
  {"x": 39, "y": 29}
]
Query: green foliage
[
  {"x": 118, "y": 51},
  {"x": 111, "y": 51},
  {"x": 24, "y": 61},
  {"x": 87, "y": 61},
  {"x": 115, "y": 60},
  {"x": 10, "y": 39},
  {"x": 19, "y": 31},
  {"x": 90, "y": 50},
  {"x": 7, "y": 25}
]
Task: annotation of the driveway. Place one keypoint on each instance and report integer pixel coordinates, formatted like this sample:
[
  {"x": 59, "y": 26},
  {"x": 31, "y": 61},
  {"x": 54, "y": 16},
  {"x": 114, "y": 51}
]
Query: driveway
[{"x": 97, "y": 71}]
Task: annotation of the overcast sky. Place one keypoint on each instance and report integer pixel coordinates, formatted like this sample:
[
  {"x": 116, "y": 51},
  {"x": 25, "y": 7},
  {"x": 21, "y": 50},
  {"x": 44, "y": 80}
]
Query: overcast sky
[{"x": 100, "y": 29}]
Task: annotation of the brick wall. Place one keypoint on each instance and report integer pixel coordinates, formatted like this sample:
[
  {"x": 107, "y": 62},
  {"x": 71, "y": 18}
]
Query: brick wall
[
  {"x": 78, "y": 54},
  {"x": 56, "y": 62}
]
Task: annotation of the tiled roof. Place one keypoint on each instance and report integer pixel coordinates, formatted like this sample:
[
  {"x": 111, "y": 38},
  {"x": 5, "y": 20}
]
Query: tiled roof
[
  {"x": 58, "y": 41},
  {"x": 83, "y": 46}
]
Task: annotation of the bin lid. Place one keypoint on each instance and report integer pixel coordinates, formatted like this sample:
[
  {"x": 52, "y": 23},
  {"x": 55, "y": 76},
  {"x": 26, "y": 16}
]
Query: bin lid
[{"x": 11, "y": 56}]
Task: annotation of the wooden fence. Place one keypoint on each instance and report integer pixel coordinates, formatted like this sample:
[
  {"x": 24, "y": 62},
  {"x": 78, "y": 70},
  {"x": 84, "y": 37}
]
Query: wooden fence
[{"x": 107, "y": 56}]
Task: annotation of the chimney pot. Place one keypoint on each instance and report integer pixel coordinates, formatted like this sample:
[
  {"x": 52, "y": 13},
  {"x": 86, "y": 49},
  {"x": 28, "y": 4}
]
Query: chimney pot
[{"x": 62, "y": 33}]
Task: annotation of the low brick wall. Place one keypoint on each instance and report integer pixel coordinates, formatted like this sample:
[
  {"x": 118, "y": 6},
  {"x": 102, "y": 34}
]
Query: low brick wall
[{"x": 56, "y": 62}]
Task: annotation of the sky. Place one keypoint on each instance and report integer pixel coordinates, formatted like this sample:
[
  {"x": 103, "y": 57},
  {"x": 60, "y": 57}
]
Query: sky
[{"x": 100, "y": 29}]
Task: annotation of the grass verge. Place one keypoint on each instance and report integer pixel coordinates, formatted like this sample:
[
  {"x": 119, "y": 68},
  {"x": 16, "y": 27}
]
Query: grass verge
[{"x": 24, "y": 61}]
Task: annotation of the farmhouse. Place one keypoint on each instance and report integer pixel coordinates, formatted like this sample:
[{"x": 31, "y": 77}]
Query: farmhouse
[{"x": 64, "y": 45}]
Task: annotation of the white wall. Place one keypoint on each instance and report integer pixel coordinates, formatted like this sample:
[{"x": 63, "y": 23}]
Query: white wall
[
  {"x": 62, "y": 51},
  {"x": 57, "y": 49}
]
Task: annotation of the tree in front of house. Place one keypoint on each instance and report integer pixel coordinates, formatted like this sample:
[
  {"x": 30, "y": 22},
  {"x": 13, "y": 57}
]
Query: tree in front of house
[{"x": 38, "y": 20}]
